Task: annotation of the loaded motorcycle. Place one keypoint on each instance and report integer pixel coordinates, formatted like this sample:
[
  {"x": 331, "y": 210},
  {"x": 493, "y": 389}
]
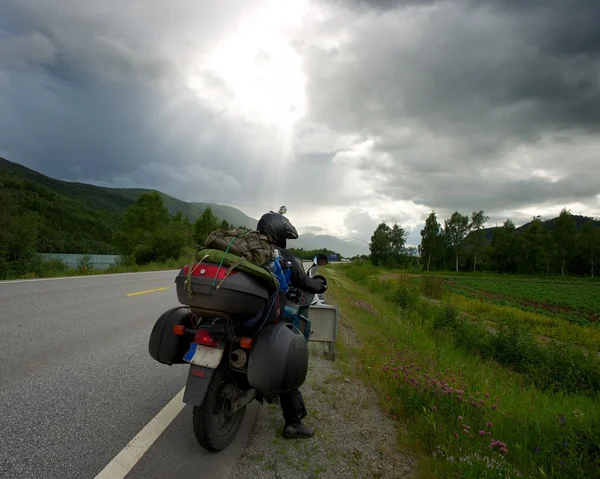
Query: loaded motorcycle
[{"x": 237, "y": 348}]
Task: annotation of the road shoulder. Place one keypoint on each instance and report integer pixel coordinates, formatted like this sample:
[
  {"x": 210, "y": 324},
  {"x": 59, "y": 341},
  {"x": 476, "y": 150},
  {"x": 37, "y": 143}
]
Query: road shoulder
[{"x": 353, "y": 436}]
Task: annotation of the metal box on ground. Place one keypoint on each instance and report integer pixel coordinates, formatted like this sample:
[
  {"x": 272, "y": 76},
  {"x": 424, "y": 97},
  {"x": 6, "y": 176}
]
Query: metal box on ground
[{"x": 323, "y": 319}]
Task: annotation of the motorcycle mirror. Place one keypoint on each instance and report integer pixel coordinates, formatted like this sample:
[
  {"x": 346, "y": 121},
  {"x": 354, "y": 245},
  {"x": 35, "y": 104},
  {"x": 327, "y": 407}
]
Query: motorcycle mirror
[{"x": 320, "y": 260}]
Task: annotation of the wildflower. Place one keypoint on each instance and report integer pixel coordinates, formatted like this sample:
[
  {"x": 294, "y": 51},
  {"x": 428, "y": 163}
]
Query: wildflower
[
  {"x": 490, "y": 424},
  {"x": 487, "y": 395},
  {"x": 456, "y": 435},
  {"x": 482, "y": 433},
  {"x": 460, "y": 418},
  {"x": 494, "y": 406}
]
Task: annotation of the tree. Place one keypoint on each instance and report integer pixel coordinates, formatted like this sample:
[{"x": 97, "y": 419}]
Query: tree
[
  {"x": 147, "y": 233},
  {"x": 455, "y": 231},
  {"x": 140, "y": 223},
  {"x": 504, "y": 248},
  {"x": 180, "y": 218},
  {"x": 388, "y": 246},
  {"x": 537, "y": 244},
  {"x": 205, "y": 225},
  {"x": 548, "y": 249},
  {"x": 564, "y": 235},
  {"x": 397, "y": 237},
  {"x": 18, "y": 236},
  {"x": 477, "y": 238},
  {"x": 432, "y": 241},
  {"x": 590, "y": 243},
  {"x": 380, "y": 245},
  {"x": 224, "y": 226}
]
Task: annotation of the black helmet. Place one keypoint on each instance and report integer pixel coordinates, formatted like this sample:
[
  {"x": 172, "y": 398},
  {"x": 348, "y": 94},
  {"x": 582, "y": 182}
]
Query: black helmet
[{"x": 277, "y": 227}]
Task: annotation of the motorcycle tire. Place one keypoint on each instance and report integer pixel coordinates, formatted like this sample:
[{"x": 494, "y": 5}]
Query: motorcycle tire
[{"x": 212, "y": 411}]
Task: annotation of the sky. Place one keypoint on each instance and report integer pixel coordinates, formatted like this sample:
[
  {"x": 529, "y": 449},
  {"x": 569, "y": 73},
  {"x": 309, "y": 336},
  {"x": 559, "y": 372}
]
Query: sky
[{"x": 348, "y": 112}]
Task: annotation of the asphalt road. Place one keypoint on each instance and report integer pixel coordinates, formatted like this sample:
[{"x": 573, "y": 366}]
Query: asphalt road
[{"x": 77, "y": 382}]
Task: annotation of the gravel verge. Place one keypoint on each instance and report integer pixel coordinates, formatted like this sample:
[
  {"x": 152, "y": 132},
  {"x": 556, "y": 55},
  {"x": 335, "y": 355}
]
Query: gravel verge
[{"x": 353, "y": 438}]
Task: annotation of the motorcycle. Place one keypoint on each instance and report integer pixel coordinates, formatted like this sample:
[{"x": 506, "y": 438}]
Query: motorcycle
[{"x": 235, "y": 350}]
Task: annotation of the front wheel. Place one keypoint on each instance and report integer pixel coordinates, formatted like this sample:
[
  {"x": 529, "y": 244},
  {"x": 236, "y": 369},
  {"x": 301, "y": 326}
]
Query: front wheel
[{"x": 213, "y": 428}]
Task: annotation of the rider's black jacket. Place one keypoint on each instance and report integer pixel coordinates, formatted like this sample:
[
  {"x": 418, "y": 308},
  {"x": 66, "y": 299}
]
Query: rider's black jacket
[{"x": 299, "y": 277}]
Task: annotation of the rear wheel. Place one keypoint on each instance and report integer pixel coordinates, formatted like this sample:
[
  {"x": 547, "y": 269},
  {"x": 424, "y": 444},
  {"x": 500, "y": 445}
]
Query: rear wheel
[{"x": 213, "y": 427}]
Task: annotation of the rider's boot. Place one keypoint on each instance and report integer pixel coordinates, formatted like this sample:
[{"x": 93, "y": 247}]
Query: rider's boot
[{"x": 297, "y": 431}]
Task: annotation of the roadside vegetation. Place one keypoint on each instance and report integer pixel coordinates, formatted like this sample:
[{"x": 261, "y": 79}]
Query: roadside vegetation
[
  {"x": 480, "y": 390},
  {"x": 35, "y": 218}
]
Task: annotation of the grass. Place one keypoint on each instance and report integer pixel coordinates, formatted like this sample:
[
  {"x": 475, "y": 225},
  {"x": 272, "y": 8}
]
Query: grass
[
  {"x": 471, "y": 400},
  {"x": 571, "y": 300},
  {"x": 587, "y": 336},
  {"x": 55, "y": 268},
  {"x": 571, "y": 328}
]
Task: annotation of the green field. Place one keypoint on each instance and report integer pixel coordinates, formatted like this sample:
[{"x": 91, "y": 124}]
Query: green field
[
  {"x": 482, "y": 390},
  {"x": 572, "y": 300}
]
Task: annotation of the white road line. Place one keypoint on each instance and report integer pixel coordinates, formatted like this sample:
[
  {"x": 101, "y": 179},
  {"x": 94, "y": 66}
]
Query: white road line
[
  {"x": 9, "y": 281},
  {"x": 124, "y": 462}
]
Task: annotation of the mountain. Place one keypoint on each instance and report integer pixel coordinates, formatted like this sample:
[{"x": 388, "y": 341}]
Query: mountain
[
  {"x": 74, "y": 203},
  {"x": 347, "y": 248},
  {"x": 116, "y": 200}
]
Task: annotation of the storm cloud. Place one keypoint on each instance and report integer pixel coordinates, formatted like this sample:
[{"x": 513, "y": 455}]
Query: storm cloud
[{"x": 349, "y": 112}]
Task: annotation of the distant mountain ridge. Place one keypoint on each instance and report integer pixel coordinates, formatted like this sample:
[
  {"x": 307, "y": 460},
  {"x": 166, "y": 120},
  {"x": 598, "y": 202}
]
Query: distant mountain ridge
[
  {"x": 347, "y": 248},
  {"x": 116, "y": 201},
  {"x": 547, "y": 224}
]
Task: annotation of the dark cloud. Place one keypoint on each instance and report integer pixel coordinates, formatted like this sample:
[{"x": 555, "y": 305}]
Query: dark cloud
[
  {"x": 452, "y": 90},
  {"x": 411, "y": 105}
]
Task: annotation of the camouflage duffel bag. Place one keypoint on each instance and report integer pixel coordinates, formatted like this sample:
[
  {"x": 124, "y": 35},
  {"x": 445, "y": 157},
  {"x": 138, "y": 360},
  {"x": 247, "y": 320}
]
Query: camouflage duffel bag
[{"x": 250, "y": 245}]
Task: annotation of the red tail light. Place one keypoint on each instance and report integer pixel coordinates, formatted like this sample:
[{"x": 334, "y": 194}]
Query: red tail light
[
  {"x": 203, "y": 337},
  {"x": 209, "y": 270}
]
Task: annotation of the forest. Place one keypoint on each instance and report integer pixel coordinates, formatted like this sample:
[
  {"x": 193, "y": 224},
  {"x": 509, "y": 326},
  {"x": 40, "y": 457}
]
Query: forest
[
  {"x": 34, "y": 218},
  {"x": 566, "y": 245}
]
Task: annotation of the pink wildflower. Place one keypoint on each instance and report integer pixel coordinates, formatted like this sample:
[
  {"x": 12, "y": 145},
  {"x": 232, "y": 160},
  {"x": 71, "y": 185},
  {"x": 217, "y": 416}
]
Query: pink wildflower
[
  {"x": 460, "y": 418},
  {"x": 482, "y": 433},
  {"x": 490, "y": 424}
]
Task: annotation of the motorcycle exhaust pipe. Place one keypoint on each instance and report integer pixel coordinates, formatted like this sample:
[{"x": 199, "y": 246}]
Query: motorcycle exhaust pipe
[{"x": 238, "y": 358}]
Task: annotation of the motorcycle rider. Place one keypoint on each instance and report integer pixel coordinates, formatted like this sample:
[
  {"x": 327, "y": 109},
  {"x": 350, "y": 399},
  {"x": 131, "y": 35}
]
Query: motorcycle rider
[{"x": 278, "y": 230}]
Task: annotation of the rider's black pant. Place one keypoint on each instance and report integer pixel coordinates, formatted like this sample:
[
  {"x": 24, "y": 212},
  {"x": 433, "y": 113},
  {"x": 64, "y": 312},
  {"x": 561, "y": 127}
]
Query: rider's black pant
[{"x": 292, "y": 405}]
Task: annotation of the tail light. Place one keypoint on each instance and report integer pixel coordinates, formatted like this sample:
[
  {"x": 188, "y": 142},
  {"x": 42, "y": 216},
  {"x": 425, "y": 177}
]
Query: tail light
[
  {"x": 179, "y": 330},
  {"x": 203, "y": 337}
]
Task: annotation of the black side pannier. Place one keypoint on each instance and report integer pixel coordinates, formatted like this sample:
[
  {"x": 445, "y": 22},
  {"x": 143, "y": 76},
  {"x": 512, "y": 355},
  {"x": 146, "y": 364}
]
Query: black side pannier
[{"x": 164, "y": 345}]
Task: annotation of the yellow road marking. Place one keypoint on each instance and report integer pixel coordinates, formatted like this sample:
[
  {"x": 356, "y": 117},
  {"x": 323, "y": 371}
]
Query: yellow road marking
[{"x": 148, "y": 291}]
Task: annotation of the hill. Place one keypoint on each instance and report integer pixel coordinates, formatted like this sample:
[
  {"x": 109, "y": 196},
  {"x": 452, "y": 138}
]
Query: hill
[
  {"x": 67, "y": 209},
  {"x": 116, "y": 200},
  {"x": 547, "y": 224}
]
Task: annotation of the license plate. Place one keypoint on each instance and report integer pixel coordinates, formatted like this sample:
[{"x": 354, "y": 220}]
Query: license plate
[{"x": 203, "y": 356}]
